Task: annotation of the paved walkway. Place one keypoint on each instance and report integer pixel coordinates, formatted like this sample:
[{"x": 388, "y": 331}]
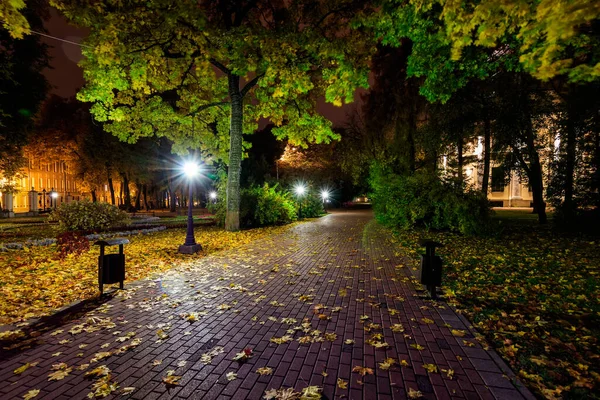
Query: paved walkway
[{"x": 312, "y": 304}]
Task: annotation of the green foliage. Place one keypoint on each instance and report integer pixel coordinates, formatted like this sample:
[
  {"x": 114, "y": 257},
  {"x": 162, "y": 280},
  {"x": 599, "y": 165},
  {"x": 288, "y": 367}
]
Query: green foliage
[
  {"x": 546, "y": 38},
  {"x": 87, "y": 216},
  {"x": 424, "y": 200},
  {"x": 210, "y": 71},
  {"x": 13, "y": 20},
  {"x": 262, "y": 206},
  {"x": 312, "y": 205},
  {"x": 259, "y": 206}
]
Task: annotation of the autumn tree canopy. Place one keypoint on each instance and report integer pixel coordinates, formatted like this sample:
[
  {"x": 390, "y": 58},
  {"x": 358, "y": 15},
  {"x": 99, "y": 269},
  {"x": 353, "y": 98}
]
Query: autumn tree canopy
[{"x": 201, "y": 73}]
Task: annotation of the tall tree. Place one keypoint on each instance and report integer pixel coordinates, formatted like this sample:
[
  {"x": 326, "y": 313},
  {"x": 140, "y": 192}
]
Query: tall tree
[
  {"x": 22, "y": 87},
  {"x": 158, "y": 68}
]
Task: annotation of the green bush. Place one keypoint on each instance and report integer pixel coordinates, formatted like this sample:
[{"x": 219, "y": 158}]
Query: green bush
[
  {"x": 270, "y": 206},
  {"x": 259, "y": 206},
  {"x": 312, "y": 205},
  {"x": 87, "y": 216},
  {"x": 425, "y": 200}
]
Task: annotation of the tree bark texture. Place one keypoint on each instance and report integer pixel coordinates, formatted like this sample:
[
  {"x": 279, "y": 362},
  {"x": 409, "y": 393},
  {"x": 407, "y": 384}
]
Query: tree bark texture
[
  {"x": 111, "y": 187},
  {"x": 487, "y": 156},
  {"x": 126, "y": 193},
  {"x": 570, "y": 157},
  {"x": 596, "y": 176},
  {"x": 172, "y": 196},
  {"x": 145, "y": 192},
  {"x": 138, "y": 196},
  {"x": 461, "y": 162},
  {"x": 232, "y": 220}
]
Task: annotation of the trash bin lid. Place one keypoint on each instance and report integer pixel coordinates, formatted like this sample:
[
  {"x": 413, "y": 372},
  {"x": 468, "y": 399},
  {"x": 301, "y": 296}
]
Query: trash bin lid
[
  {"x": 111, "y": 242},
  {"x": 429, "y": 243}
]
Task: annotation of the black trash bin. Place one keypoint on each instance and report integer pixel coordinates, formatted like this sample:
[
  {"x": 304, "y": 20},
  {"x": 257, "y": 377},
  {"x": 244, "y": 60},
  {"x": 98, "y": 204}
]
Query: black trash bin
[
  {"x": 431, "y": 266},
  {"x": 111, "y": 267}
]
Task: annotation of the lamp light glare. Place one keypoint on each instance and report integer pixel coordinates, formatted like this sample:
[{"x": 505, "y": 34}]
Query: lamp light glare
[
  {"x": 300, "y": 189},
  {"x": 212, "y": 195},
  {"x": 191, "y": 169},
  {"x": 54, "y": 195},
  {"x": 325, "y": 194}
]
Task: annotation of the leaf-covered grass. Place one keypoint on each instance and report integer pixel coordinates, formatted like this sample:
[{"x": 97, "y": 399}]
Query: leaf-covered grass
[
  {"x": 38, "y": 228},
  {"x": 535, "y": 294},
  {"x": 34, "y": 282}
]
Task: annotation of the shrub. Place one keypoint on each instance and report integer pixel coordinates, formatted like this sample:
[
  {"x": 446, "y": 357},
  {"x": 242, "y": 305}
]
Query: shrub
[
  {"x": 271, "y": 206},
  {"x": 312, "y": 205},
  {"x": 425, "y": 200},
  {"x": 259, "y": 206},
  {"x": 87, "y": 216}
]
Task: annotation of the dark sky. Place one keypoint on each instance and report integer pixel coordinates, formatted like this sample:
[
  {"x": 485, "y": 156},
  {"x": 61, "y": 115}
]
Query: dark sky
[{"x": 66, "y": 77}]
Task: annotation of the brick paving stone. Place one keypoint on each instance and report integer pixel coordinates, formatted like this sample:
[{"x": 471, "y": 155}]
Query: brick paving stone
[{"x": 343, "y": 260}]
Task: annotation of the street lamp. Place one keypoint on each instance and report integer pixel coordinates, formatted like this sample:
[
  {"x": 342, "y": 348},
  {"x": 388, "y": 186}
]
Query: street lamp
[
  {"x": 213, "y": 196},
  {"x": 300, "y": 189},
  {"x": 190, "y": 169},
  {"x": 325, "y": 197},
  {"x": 54, "y": 196}
]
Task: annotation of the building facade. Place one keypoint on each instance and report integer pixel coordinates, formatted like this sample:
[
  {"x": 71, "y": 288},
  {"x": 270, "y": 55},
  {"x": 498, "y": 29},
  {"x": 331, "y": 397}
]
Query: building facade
[
  {"x": 41, "y": 186},
  {"x": 501, "y": 193}
]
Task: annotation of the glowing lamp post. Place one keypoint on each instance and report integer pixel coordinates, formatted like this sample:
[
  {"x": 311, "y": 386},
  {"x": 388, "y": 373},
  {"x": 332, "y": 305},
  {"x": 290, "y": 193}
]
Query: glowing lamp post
[
  {"x": 190, "y": 246},
  {"x": 212, "y": 196},
  {"x": 300, "y": 190},
  {"x": 54, "y": 196},
  {"x": 325, "y": 197}
]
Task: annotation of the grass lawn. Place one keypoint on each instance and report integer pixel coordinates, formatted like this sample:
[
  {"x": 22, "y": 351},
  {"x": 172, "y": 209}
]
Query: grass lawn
[
  {"x": 534, "y": 294},
  {"x": 34, "y": 281}
]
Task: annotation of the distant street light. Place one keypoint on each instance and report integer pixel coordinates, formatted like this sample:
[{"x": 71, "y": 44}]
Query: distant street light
[
  {"x": 325, "y": 197},
  {"x": 190, "y": 169},
  {"x": 300, "y": 189},
  {"x": 213, "y": 196},
  {"x": 54, "y": 196}
]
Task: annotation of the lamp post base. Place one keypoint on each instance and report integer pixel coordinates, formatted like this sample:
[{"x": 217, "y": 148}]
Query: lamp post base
[{"x": 190, "y": 249}]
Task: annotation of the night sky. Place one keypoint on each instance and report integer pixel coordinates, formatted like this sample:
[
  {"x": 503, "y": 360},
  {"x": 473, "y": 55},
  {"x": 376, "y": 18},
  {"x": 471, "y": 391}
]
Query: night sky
[{"x": 66, "y": 77}]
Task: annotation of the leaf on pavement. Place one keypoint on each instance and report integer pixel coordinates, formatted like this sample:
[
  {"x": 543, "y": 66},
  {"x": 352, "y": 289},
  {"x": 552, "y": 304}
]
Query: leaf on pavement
[
  {"x": 31, "y": 394},
  {"x": 265, "y": 371},
  {"x": 362, "y": 370}
]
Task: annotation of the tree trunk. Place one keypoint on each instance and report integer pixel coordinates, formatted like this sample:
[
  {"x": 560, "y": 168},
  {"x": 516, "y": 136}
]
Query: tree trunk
[
  {"x": 93, "y": 192},
  {"x": 536, "y": 177},
  {"x": 571, "y": 140},
  {"x": 145, "y": 191},
  {"x": 487, "y": 138},
  {"x": 537, "y": 186},
  {"x": 411, "y": 134},
  {"x": 461, "y": 162},
  {"x": 596, "y": 176},
  {"x": 232, "y": 219},
  {"x": 126, "y": 193},
  {"x": 172, "y": 196},
  {"x": 111, "y": 187},
  {"x": 138, "y": 196}
]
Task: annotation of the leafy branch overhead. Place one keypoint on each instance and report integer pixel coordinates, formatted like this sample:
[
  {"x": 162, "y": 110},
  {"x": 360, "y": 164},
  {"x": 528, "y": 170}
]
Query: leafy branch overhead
[
  {"x": 201, "y": 74},
  {"x": 153, "y": 73}
]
